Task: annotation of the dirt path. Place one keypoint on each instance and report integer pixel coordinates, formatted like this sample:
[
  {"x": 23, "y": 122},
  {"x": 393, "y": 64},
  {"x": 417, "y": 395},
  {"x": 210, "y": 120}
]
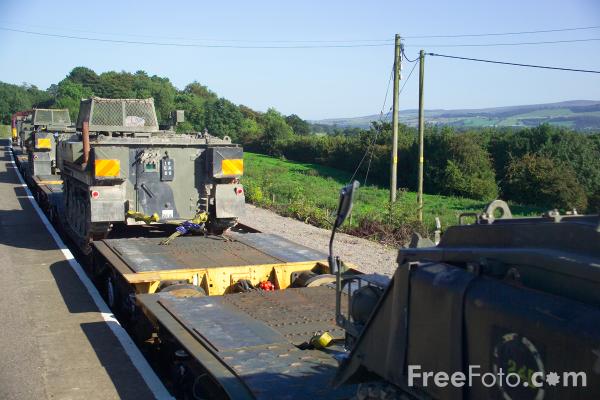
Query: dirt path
[{"x": 368, "y": 256}]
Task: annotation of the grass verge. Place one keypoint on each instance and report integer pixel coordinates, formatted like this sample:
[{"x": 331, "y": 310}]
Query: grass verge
[{"x": 309, "y": 192}]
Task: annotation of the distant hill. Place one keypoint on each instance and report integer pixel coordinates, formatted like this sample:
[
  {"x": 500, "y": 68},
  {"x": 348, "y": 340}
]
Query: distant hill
[{"x": 575, "y": 114}]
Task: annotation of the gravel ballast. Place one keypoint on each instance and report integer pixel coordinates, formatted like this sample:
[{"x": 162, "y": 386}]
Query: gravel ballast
[{"x": 368, "y": 256}]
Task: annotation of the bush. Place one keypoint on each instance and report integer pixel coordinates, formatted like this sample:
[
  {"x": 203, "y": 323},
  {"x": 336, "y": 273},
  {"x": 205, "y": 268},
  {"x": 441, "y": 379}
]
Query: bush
[
  {"x": 540, "y": 180},
  {"x": 459, "y": 165}
]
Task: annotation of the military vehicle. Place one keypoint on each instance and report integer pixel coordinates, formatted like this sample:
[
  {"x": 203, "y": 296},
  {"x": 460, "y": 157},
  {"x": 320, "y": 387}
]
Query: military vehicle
[
  {"x": 504, "y": 308},
  {"x": 23, "y": 128},
  {"x": 47, "y": 128},
  {"x": 121, "y": 169},
  {"x": 16, "y": 123}
]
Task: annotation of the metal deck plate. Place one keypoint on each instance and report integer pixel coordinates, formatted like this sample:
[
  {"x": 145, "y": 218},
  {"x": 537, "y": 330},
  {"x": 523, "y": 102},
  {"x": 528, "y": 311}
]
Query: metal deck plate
[
  {"x": 256, "y": 333},
  {"x": 196, "y": 252},
  {"x": 221, "y": 326},
  {"x": 297, "y": 313},
  {"x": 279, "y": 247}
]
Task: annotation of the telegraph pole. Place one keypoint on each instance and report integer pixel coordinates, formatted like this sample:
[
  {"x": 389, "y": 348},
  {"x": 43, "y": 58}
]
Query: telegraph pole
[
  {"x": 421, "y": 132},
  {"x": 394, "y": 163}
]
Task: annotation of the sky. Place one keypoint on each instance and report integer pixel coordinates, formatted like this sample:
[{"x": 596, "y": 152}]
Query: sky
[{"x": 314, "y": 83}]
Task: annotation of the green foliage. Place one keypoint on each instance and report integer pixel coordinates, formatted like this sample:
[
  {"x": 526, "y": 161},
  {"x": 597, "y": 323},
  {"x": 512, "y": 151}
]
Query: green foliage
[
  {"x": 468, "y": 171},
  {"x": 298, "y": 125},
  {"x": 5, "y": 131},
  {"x": 472, "y": 164},
  {"x": 310, "y": 193},
  {"x": 276, "y": 132},
  {"x": 545, "y": 182},
  {"x": 69, "y": 94},
  {"x": 18, "y": 98},
  {"x": 223, "y": 118}
]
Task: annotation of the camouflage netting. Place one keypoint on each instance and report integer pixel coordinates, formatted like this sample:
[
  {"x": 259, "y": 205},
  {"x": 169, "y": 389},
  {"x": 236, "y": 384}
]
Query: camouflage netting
[
  {"x": 51, "y": 117},
  {"x": 125, "y": 115}
]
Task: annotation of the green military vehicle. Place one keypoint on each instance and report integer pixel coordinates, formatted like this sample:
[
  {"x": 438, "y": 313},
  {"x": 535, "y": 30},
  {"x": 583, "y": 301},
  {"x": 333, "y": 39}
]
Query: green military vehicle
[
  {"x": 503, "y": 308},
  {"x": 24, "y": 129},
  {"x": 46, "y": 129},
  {"x": 122, "y": 169}
]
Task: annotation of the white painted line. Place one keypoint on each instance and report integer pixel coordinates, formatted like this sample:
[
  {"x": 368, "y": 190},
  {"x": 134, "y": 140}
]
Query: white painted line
[{"x": 137, "y": 359}]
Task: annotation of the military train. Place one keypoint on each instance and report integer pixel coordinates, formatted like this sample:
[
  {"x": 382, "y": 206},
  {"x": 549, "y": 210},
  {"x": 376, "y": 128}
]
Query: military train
[{"x": 237, "y": 313}]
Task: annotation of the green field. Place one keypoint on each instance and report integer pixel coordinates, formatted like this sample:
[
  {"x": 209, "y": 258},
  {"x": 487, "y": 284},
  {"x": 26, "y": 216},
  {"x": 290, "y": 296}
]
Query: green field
[
  {"x": 309, "y": 192},
  {"x": 5, "y": 132}
]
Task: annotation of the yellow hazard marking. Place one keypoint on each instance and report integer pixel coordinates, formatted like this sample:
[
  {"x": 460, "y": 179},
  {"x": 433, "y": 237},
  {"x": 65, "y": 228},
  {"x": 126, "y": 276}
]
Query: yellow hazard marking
[
  {"x": 421, "y": 160},
  {"x": 43, "y": 143},
  {"x": 14, "y": 132},
  {"x": 106, "y": 168},
  {"x": 50, "y": 182},
  {"x": 395, "y": 159},
  {"x": 232, "y": 167}
]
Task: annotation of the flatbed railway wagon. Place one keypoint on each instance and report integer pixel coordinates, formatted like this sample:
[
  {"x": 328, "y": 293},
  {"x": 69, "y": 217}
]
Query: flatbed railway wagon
[
  {"x": 211, "y": 265},
  {"x": 250, "y": 343}
]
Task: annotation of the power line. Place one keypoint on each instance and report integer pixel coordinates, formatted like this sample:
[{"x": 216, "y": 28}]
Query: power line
[
  {"x": 505, "y": 44},
  {"x": 502, "y": 33},
  {"x": 306, "y": 46},
  {"x": 371, "y": 147},
  {"x": 377, "y": 133},
  {"x": 386, "y": 92},
  {"x": 515, "y": 64},
  {"x": 230, "y": 46},
  {"x": 189, "y": 38},
  {"x": 541, "y": 31},
  {"x": 407, "y": 79},
  {"x": 408, "y": 59}
]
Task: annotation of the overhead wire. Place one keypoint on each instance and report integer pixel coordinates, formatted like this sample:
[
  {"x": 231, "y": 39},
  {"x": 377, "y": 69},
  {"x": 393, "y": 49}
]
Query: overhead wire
[
  {"x": 380, "y": 116},
  {"x": 501, "y": 33},
  {"x": 407, "y": 59},
  {"x": 202, "y": 45},
  {"x": 317, "y": 44},
  {"x": 435, "y": 36},
  {"x": 372, "y": 146},
  {"x": 506, "y": 44},
  {"x": 515, "y": 64},
  {"x": 190, "y": 38}
]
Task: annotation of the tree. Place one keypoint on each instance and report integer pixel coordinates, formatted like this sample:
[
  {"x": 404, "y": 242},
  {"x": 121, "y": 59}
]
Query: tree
[
  {"x": 458, "y": 164},
  {"x": 69, "y": 95},
  {"x": 276, "y": 132},
  {"x": 468, "y": 170},
  {"x": 223, "y": 118},
  {"x": 543, "y": 181},
  {"x": 298, "y": 125}
]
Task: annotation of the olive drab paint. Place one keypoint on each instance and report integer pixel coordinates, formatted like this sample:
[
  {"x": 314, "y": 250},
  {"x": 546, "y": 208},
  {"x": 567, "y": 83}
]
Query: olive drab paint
[{"x": 135, "y": 168}]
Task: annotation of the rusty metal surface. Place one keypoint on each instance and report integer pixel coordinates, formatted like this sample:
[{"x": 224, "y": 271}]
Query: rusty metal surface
[
  {"x": 297, "y": 313},
  {"x": 256, "y": 335},
  {"x": 193, "y": 252},
  {"x": 279, "y": 247}
]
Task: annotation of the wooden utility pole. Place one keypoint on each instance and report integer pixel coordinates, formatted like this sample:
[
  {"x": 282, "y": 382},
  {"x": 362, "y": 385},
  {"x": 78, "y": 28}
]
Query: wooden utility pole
[
  {"x": 421, "y": 132},
  {"x": 394, "y": 163}
]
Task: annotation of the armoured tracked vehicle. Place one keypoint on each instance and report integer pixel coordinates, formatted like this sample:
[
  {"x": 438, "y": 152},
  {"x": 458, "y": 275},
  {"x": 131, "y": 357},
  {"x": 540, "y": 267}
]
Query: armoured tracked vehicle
[
  {"x": 48, "y": 127},
  {"x": 16, "y": 124},
  {"x": 121, "y": 169},
  {"x": 505, "y": 308},
  {"x": 24, "y": 128}
]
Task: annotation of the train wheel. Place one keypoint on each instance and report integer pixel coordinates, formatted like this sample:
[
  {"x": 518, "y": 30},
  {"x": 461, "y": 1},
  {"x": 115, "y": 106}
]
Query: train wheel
[{"x": 184, "y": 290}]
